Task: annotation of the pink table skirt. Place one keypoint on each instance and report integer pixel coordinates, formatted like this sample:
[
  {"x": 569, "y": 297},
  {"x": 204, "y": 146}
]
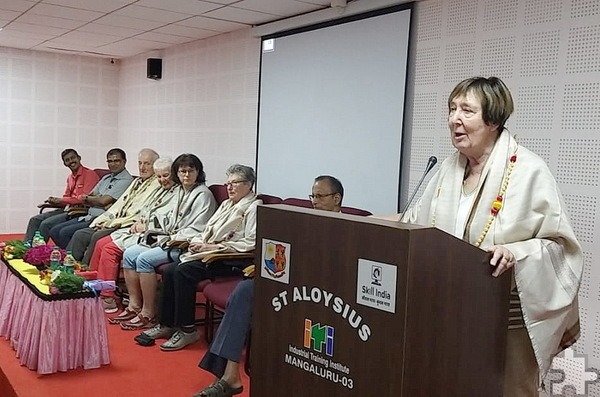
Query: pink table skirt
[{"x": 51, "y": 336}]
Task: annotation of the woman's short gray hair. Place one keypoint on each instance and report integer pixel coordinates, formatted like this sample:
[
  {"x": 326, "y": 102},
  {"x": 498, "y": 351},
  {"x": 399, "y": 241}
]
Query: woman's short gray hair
[
  {"x": 496, "y": 102},
  {"x": 163, "y": 164},
  {"x": 247, "y": 173}
]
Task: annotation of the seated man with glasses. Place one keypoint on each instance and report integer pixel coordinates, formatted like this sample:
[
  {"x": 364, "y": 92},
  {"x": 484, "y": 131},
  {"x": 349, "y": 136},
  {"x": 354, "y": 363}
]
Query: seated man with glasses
[
  {"x": 327, "y": 193},
  {"x": 105, "y": 193},
  {"x": 225, "y": 352}
]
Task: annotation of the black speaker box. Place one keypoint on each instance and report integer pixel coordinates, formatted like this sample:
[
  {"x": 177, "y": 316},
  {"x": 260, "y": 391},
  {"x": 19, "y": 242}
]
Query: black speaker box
[{"x": 154, "y": 68}]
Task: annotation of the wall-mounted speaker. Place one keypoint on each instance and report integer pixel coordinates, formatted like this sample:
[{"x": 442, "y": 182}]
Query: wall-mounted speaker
[{"x": 154, "y": 68}]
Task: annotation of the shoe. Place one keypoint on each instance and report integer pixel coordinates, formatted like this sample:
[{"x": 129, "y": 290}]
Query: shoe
[
  {"x": 138, "y": 322},
  {"x": 125, "y": 315},
  {"x": 110, "y": 305},
  {"x": 158, "y": 332},
  {"x": 179, "y": 340},
  {"x": 219, "y": 389}
]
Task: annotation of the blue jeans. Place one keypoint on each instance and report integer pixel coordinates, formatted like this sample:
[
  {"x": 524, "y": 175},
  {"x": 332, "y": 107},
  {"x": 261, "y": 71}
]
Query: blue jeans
[
  {"x": 44, "y": 222},
  {"x": 144, "y": 259},
  {"x": 61, "y": 234}
]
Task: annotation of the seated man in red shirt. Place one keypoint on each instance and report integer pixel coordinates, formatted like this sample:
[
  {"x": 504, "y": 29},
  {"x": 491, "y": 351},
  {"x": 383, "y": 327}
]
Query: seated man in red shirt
[{"x": 81, "y": 181}]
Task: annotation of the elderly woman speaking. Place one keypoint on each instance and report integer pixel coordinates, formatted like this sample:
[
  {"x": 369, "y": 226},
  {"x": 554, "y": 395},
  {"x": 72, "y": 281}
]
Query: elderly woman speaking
[
  {"x": 232, "y": 228},
  {"x": 499, "y": 196}
]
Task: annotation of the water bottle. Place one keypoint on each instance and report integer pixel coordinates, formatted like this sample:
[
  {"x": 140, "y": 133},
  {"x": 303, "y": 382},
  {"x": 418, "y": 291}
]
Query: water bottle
[
  {"x": 38, "y": 240},
  {"x": 69, "y": 263},
  {"x": 55, "y": 258}
]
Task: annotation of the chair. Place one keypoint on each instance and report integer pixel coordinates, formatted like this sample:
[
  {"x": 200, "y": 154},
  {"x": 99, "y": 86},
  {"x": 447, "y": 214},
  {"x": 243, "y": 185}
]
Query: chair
[
  {"x": 298, "y": 202},
  {"x": 268, "y": 199},
  {"x": 217, "y": 293},
  {"x": 219, "y": 192},
  {"x": 355, "y": 211}
]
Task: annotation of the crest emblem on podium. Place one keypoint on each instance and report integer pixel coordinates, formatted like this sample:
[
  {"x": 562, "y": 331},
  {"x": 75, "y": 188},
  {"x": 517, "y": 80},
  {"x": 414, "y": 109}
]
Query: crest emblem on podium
[{"x": 275, "y": 260}]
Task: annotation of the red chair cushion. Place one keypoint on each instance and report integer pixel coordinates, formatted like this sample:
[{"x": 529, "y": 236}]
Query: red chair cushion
[
  {"x": 355, "y": 211},
  {"x": 268, "y": 199},
  {"x": 218, "y": 291},
  {"x": 220, "y": 192},
  {"x": 298, "y": 202}
]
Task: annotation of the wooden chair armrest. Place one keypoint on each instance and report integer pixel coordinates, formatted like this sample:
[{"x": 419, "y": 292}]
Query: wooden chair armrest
[
  {"x": 77, "y": 211},
  {"x": 44, "y": 206},
  {"x": 210, "y": 258},
  {"x": 181, "y": 245}
]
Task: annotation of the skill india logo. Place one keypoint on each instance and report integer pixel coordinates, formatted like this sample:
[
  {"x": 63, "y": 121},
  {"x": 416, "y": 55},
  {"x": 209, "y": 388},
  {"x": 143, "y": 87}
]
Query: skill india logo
[
  {"x": 570, "y": 375},
  {"x": 275, "y": 259},
  {"x": 318, "y": 337}
]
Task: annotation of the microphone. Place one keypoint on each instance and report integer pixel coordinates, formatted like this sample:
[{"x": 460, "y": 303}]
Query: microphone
[{"x": 432, "y": 161}]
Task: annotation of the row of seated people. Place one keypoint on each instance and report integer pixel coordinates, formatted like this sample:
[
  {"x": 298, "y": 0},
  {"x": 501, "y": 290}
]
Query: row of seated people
[
  {"x": 169, "y": 216},
  {"x": 492, "y": 192}
]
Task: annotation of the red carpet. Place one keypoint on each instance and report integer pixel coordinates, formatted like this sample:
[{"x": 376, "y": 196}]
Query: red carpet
[{"x": 134, "y": 371}]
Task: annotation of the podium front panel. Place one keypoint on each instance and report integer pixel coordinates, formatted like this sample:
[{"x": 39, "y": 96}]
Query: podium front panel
[{"x": 332, "y": 311}]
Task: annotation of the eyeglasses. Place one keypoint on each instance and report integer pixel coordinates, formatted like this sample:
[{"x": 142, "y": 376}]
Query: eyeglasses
[
  {"x": 313, "y": 197},
  {"x": 235, "y": 183},
  {"x": 187, "y": 171}
]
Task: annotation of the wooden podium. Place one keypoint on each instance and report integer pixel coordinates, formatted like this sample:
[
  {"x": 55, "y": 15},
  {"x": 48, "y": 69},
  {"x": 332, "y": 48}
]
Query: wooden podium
[{"x": 353, "y": 306}]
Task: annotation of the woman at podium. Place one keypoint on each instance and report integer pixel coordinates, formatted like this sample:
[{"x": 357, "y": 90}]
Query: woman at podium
[{"x": 501, "y": 197}]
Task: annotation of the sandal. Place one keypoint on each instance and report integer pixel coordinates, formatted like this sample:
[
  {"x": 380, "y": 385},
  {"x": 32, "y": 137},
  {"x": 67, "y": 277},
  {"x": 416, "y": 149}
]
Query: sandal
[
  {"x": 138, "y": 322},
  {"x": 125, "y": 315},
  {"x": 219, "y": 389}
]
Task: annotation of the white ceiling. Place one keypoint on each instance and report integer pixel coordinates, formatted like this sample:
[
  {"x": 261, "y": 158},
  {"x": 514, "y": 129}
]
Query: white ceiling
[{"x": 123, "y": 28}]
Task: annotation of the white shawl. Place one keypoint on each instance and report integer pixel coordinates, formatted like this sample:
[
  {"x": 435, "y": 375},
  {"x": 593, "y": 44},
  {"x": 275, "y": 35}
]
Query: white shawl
[
  {"x": 232, "y": 227},
  {"x": 532, "y": 224},
  {"x": 159, "y": 203}
]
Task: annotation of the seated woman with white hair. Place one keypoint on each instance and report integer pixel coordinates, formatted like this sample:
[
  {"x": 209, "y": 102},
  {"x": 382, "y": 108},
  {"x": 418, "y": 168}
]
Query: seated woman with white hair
[
  {"x": 231, "y": 229},
  {"x": 190, "y": 211},
  {"x": 108, "y": 252}
]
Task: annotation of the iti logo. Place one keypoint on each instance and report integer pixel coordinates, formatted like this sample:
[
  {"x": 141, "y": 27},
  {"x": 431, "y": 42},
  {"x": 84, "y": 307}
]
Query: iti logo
[
  {"x": 275, "y": 259},
  {"x": 317, "y": 336},
  {"x": 570, "y": 375}
]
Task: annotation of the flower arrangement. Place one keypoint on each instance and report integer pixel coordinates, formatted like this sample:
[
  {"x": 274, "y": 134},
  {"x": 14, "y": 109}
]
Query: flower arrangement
[
  {"x": 61, "y": 282},
  {"x": 40, "y": 256},
  {"x": 13, "y": 249},
  {"x": 66, "y": 283}
]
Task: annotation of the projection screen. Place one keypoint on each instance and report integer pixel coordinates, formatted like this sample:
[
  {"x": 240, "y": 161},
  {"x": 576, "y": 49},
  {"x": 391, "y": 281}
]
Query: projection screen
[{"x": 332, "y": 102}]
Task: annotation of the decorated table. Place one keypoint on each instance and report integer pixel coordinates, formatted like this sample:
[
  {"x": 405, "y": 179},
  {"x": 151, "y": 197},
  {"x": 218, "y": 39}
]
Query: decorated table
[{"x": 50, "y": 332}]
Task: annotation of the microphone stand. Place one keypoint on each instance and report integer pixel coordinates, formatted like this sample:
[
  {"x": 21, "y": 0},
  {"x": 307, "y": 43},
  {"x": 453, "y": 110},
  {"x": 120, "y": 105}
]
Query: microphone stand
[{"x": 432, "y": 161}]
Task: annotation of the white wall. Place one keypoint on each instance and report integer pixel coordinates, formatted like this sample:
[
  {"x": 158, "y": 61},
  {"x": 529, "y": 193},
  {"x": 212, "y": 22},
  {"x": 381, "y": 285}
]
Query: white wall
[
  {"x": 49, "y": 102},
  {"x": 206, "y": 102}
]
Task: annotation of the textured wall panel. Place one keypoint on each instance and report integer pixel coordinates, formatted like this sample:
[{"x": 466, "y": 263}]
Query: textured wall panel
[
  {"x": 542, "y": 11},
  {"x": 581, "y": 109},
  {"x": 540, "y": 54},
  {"x": 583, "y": 53},
  {"x": 536, "y": 108}
]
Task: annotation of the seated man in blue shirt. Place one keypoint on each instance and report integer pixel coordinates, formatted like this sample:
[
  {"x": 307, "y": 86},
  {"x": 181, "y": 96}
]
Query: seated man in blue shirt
[{"x": 105, "y": 193}]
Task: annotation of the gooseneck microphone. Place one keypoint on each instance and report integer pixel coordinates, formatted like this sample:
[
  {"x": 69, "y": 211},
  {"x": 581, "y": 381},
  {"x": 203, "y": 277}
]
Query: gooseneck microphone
[{"x": 432, "y": 161}]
